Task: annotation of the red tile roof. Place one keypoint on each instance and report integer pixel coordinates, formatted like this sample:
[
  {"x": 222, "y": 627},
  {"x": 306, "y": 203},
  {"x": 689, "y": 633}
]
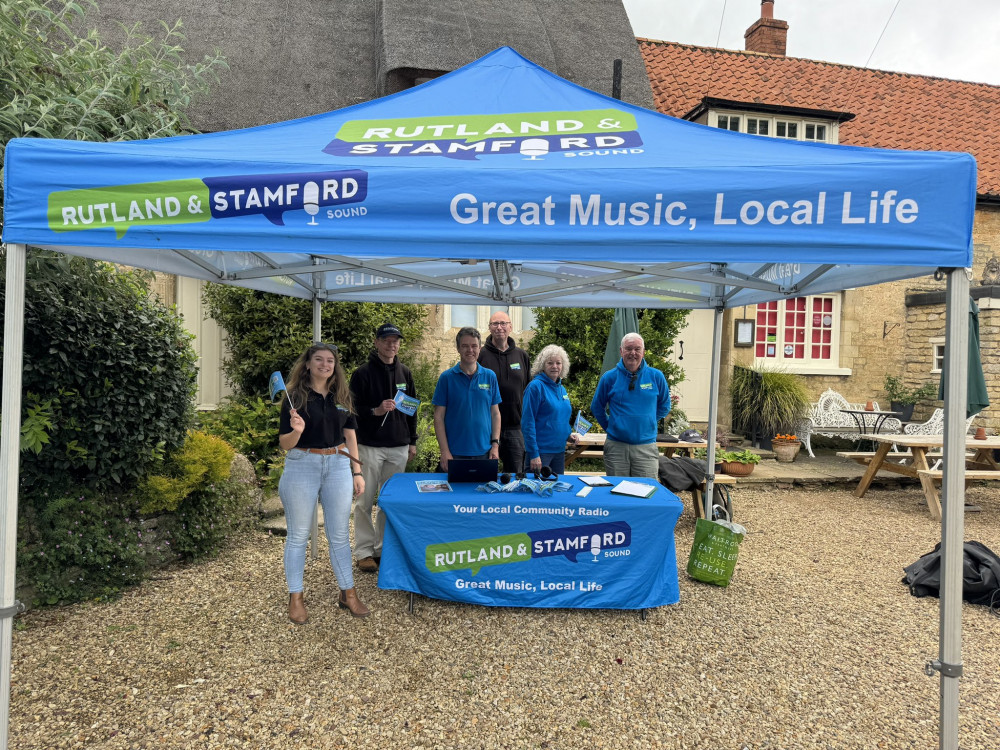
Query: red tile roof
[{"x": 892, "y": 110}]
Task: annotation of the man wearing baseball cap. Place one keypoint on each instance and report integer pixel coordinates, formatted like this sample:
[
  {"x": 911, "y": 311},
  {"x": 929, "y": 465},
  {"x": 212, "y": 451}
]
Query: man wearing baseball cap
[{"x": 387, "y": 438}]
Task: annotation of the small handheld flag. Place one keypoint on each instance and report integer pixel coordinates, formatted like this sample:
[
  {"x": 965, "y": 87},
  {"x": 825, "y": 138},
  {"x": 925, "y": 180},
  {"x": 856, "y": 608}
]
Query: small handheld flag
[
  {"x": 406, "y": 404},
  {"x": 581, "y": 425},
  {"x": 276, "y": 385}
]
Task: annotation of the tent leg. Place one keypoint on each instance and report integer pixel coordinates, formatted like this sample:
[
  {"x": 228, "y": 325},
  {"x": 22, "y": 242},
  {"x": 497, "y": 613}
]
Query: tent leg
[
  {"x": 949, "y": 661},
  {"x": 317, "y": 336},
  {"x": 10, "y": 439},
  {"x": 713, "y": 412}
]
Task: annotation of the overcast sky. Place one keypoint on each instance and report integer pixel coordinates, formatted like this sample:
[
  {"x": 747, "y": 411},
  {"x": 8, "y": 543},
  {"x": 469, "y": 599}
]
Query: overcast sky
[{"x": 957, "y": 39}]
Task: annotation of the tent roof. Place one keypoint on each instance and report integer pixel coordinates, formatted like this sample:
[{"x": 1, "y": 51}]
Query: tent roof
[{"x": 499, "y": 181}]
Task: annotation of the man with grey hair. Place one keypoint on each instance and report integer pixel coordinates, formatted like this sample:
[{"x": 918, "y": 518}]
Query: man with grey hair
[{"x": 630, "y": 400}]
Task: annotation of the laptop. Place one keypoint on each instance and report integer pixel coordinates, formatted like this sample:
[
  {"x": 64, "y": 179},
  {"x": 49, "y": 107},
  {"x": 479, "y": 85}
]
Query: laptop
[{"x": 478, "y": 470}]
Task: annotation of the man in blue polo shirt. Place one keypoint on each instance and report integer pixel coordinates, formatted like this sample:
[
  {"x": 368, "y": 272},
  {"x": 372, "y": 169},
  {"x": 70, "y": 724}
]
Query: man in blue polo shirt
[
  {"x": 630, "y": 400},
  {"x": 466, "y": 405}
]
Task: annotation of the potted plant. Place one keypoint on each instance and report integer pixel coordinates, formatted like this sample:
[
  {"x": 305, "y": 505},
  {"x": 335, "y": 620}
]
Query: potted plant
[
  {"x": 737, "y": 463},
  {"x": 766, "y": 401},
  {"x": 902, "y": 399},
  {"x": 786, "y": 447}
]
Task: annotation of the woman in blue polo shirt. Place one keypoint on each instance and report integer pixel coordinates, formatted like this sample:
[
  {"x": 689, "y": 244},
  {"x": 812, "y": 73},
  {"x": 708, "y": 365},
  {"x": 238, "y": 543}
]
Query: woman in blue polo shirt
[
  {"x": 319, "y": 435},
  {"x": 546, "y": 413}
]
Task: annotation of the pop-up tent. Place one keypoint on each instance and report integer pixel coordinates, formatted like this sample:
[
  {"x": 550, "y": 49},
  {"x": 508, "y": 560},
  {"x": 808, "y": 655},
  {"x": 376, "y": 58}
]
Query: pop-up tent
[{"x": 501, "y": 182}]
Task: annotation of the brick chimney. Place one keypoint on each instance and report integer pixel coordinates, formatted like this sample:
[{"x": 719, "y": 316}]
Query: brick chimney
[{"x": 767, "y": 34}]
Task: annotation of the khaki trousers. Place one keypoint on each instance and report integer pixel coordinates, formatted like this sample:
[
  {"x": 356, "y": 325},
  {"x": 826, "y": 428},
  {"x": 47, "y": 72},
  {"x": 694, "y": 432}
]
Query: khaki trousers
[{"x": 377, "y": 465}]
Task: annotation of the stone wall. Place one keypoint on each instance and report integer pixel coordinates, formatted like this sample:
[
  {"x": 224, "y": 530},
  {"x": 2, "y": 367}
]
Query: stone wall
[{"x": 927, "y": 321}]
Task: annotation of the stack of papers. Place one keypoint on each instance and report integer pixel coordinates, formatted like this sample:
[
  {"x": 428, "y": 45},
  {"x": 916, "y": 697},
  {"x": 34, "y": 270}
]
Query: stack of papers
[{"x": 633, "y": 489}]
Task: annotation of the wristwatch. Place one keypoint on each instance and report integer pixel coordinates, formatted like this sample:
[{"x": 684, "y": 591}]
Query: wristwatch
[{"x": 495, "y": 440}]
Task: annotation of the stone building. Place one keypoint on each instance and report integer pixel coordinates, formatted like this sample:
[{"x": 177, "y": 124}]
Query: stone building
[{"x": 895, "y": 328}]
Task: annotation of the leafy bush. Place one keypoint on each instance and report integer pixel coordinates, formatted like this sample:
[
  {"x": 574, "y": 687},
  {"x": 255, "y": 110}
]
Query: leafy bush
[
  {"x": 58, "y": 84},
  {"x": 898, "y": 393},
  {"x": 202, "y": 460},
  {"x": 111, "y": 373},
  {"x": 266, "y": 332},
  {"x": 250, "y": 425},
  {"x": 80, "y": 547},
  {"x": 207, "y": 517},
  {"x": 583, "y": 333}
]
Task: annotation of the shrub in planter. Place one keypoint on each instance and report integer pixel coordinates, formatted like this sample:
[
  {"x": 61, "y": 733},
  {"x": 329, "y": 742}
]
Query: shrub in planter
[
  {"x": 903, "y": 399},
  {"x": 766, "y": 401}
]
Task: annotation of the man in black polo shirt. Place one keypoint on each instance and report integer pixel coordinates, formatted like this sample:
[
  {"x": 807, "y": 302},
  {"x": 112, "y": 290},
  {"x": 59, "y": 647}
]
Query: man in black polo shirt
[
  {"x": 387, "y": 438},
  {"x": 512, "y": 369}
]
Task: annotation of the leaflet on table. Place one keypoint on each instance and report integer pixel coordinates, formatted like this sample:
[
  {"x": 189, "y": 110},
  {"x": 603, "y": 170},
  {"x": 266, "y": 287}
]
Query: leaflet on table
[
  {"x": 432, "y": 485},
  {"x": 595, "y": 481},
  {"x": 633, "y": 489},
  {"x": 581, "y": 425},
  {"x": 406, "y": 404}
]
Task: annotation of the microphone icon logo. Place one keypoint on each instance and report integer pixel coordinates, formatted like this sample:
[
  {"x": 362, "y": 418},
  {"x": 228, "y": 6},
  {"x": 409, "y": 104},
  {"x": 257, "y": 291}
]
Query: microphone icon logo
[
  {"x": 310, "y": 201},
  {"x": 595, "y": 546},
  {"x": 534, "y": 147}
]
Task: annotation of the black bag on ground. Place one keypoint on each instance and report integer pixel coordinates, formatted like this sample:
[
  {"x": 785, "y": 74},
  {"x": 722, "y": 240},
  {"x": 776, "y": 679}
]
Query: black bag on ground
[{"x": 980, "y": 573}]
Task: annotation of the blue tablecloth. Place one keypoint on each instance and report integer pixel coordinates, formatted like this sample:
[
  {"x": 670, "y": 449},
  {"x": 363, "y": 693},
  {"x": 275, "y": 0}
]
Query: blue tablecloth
[{"x": 520, "y": 550}]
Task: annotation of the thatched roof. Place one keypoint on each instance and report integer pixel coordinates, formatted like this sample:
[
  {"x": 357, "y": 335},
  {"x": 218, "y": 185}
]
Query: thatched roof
[{"x": 290, "y": 61}]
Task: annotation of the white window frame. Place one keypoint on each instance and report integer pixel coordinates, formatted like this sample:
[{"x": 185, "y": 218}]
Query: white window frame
[
  {"x": 832, "y": 128},
  {"x": 807, "y": 366},
  {"x": 937, "y": 345},
  {"x": 483, "y": 313}
]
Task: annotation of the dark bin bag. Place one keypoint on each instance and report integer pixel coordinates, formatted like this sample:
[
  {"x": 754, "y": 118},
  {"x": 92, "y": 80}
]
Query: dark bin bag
[
  {"x": 714, "y": 552},
  {"x": 980, "y": 574}
]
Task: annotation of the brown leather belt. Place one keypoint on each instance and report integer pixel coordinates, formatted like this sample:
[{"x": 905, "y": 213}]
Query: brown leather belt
[{"x": 339, "y": 450}]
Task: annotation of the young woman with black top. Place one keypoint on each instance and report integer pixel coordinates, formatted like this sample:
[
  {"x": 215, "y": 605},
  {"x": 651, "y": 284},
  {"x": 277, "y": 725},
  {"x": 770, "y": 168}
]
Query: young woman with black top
[{"x": 319, "y": 435}]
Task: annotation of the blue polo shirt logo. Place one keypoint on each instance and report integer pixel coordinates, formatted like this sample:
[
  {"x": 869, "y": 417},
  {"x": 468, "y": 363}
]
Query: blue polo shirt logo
[
  {"x": 484, "y": 386},
  {"x": 646, "y": 386}
]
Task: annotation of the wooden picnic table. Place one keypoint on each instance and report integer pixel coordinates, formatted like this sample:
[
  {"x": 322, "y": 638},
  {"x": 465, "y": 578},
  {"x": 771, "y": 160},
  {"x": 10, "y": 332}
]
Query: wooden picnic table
[
  {"x": 912, "y": 462},
  {"x": 591, "y": 445}
]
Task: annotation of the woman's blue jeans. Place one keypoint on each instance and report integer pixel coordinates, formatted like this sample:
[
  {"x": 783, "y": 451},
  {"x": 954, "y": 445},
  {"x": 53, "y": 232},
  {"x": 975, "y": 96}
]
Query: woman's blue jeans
[{"x": 309, "y": 476}]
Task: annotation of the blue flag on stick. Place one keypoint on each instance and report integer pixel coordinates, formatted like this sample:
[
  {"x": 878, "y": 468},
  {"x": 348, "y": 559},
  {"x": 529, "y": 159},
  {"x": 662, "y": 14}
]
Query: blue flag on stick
[{"x": 276, "y": 384}]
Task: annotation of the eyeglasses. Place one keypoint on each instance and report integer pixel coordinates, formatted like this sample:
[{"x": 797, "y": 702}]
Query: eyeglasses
[
  {"x": 631, "y": 383},
  {"x": 500, "y": 323},
  {"x": 323, "y": 345}
]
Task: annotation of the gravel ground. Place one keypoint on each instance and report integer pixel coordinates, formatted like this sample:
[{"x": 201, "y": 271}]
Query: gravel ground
[{"x": 816, "y": 644}]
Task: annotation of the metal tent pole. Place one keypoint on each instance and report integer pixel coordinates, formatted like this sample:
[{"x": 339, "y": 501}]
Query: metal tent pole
[
  {"x": 10, "y": 440},
  {"x": 317, "y": 336},
  {"x": 949, "y": 661},
  {"x": 713, "y": 412}
]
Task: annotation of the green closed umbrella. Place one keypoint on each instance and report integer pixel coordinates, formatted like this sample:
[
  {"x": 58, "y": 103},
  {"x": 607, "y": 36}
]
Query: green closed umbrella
[
  {"x": 626, "y": 321},
  {"x": 977, "y": 398}
]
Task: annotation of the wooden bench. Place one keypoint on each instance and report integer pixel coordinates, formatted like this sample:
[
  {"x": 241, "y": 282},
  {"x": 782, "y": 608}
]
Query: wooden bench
[
  {"x": 865, "y": 457},
  {"x": 931, "y": 478}
]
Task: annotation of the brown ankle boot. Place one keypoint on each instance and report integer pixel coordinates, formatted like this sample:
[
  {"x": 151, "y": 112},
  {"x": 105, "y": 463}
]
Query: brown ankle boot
[
  {"x": 349, "y": 601},
  {"x": 297, "y": 609}
]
